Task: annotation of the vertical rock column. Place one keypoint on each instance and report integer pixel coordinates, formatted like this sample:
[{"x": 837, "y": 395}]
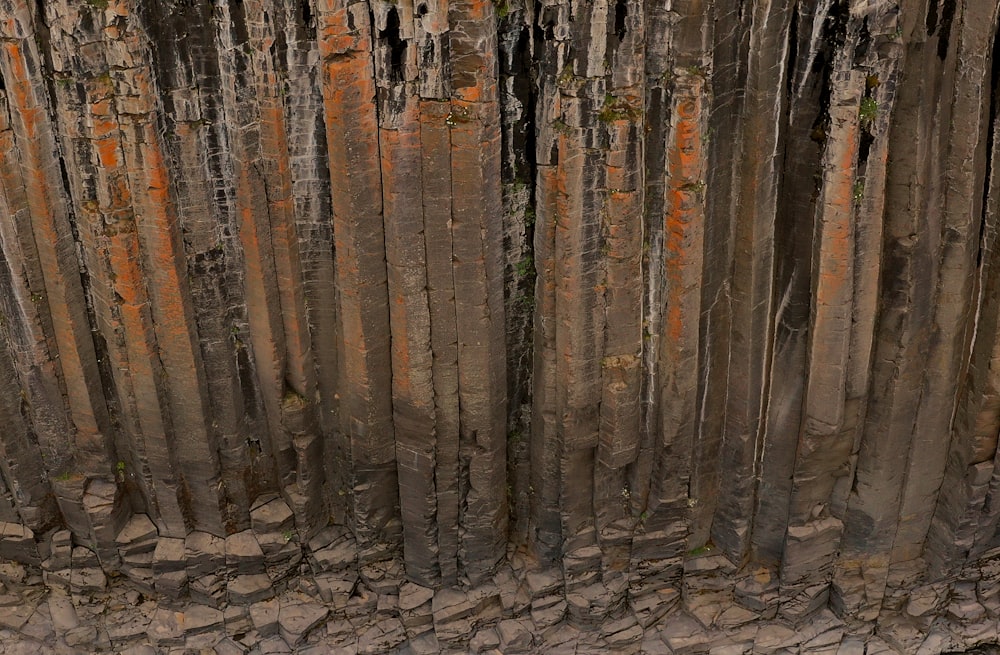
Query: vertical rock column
[
  {"x": 964, "y": 520},
  {"x": 680, "y": 270},
  {"x": 48, "y": 328},
  {"x": 188, "y": 67},
  {"x": 913, "y": 236},
  {"x": 966, "y": 110},
  {"x": 844, "y": 273},
  {"x": 622, "y": 230},
  {"x": 136, "y": 234},
  {"x": 477, "y": 251},
  {"x": 569, "y": 331},
  {"x": 758, "y": 179},
  {"x": 345, "y": 38},
  {"x": 397, "y": 72},
  {"x": 274, "y": 240},
  {"x": 431, "y": 38}
]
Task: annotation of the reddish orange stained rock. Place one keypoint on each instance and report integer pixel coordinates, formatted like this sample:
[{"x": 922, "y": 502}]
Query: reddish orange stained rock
[
  {"x": 352, "y": 129},
  {"x": 21, "y": 70}
]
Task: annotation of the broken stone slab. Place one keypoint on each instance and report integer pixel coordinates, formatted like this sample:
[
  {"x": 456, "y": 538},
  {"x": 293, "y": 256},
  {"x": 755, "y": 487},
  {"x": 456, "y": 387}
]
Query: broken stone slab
[
  {"x": 170, "y": 555},
  {"x": 336, "y": 588},
  {"x": 63, "y": 613},
  {"x": 384, "y": 577},
  {"x": 332, "y": 550},
  {"x": 237, "y": 618},
  {"x": 166, "y": 628},
  {"x": 279, "y": 546},
  {"x": 208, "y": 590},
  {"x": 264, "y": 616},
  {"x": 172, "y": 585},
  {"x": 412, "y": 596},
  {"x": 107, "y": 513},
  {"x": 650, "y": 607},
  {"x": 545, "y": 613},
  {"x": 200, "y": 619},
  {"x": 272, "y": 516},
  {"x": 17, "y": 543},
  {"x": 484, "y": 640},
  {"x": 83, "y": 635},
  {"x": 681, "y": 632},
  {"x": 248, "y": 589},
  {"x": 243, "y": 553},
  {"x": 87, "y": 580},
  {"x": 126, "y": 626},
  {"x": 515, "y": 635},
  {"x": 543, "y": 583},
  {"x": 13, "y": 617},
  {"x": 60, "y": 550},
  {"x": 138, "y": 536},
  {"x": 382, "y": 637},
  {"x": 204, "y": 553},
  {"x": 296, "y": 621}
]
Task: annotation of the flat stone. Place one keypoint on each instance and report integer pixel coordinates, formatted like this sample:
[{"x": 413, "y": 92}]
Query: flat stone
[
  {"x": 201, "y": 618},
  {"x": 87, "y": 580},
  {"x": 169, "y": 556},
  {"x": 243, "y": 553},
  {"x": 166, "y": 628},
  {"x": 138, "y": 535},
  {"x": 203, "y": 553},
  {"x": 247, "y": 589},
  {"x": 80, "y": 636},
  {"x": 229, "y": 647},
  {"x": 264, "y": 616},
  {"x": 412, "y": 596},
  {"x": 484, "y": 640},
  {"x": 273, "y": 516},
  {"x": 17, "y": 543},
  {"x": 515, "y": 635},
  {"x": 382, "y": 637},
  {"x": 296, "y": 621}
]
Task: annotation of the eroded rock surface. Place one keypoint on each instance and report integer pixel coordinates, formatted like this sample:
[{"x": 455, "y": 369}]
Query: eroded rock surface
[{"x": 499, "y": 325}]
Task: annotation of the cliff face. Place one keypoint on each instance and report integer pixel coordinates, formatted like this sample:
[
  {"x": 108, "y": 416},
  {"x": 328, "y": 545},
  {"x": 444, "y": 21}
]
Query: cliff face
[{"x": 650, "y": 316}]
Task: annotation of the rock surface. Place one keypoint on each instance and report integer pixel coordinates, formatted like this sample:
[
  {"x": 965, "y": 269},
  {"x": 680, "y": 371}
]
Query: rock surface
[{"x": 495, "y": 325}]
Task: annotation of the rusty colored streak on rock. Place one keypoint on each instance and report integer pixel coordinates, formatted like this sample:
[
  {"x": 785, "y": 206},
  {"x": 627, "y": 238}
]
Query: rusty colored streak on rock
[
  {"x": 684, "y": 226},
  {"x": 352, "y": 126},
  {"x": 410, "y": 323},
  {"x": 57, "y": 257},
  {"x": 172, "y": 313},
  {"x": 823, "y": 443}
]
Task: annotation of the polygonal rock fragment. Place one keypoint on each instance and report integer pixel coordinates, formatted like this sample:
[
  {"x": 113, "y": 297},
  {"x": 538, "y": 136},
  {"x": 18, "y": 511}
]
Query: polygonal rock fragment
[
  {"x": 247, "y": 589},
  {"x": 296, "y": 621},
  {"x": 138, "y": 536},
  {"x": 199, "y": 619},
  {"x": 17, "y": 543},
  {"x": 243, "y": 553},
  {"x": 515, "y": 635},
  {"x": 382, "y": 637},
  {"x": 272, "y": 516}
]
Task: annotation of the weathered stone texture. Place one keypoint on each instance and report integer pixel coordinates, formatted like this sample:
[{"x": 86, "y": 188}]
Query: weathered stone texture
[{"x": 436, "y": 325}]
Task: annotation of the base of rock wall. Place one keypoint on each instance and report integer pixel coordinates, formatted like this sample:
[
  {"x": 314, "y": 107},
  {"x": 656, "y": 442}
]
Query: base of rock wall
[{"x": 266, "y": 590}]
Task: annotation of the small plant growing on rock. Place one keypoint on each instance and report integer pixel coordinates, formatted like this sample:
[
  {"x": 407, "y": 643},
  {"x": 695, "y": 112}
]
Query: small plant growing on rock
[
  {"x": 858, "y": 193},
  {"x": 868, "y": 111},
  {"x": 618, "y": 109}
]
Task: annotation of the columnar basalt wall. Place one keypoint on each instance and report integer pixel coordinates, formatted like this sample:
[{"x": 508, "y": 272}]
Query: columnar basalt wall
[{"x": 500, "y": 325}]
